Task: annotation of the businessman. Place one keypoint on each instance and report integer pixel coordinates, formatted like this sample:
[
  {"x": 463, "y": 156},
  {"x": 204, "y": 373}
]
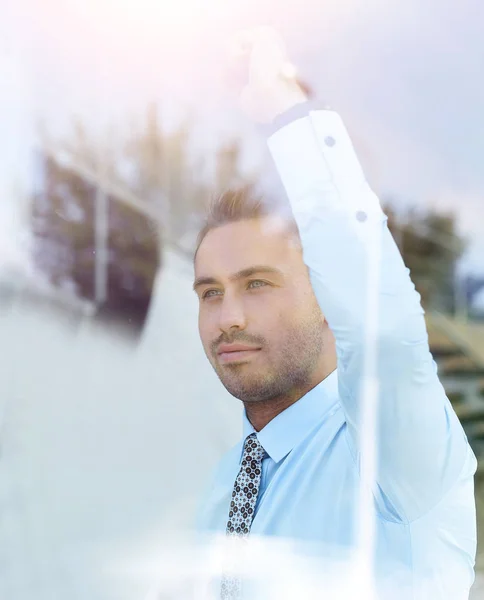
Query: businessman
[{"x": 283, "y": 315}]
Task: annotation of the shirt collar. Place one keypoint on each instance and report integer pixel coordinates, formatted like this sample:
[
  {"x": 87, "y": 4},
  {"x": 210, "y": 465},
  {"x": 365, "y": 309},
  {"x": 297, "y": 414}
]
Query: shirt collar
[{"x": 292, "y": 425}]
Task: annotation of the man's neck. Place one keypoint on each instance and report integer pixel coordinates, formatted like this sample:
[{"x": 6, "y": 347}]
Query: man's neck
[{"x": 261, "y": 413}]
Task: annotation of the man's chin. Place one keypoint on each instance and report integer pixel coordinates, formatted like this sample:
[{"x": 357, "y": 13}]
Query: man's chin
[{"x": 246, "y": 388}]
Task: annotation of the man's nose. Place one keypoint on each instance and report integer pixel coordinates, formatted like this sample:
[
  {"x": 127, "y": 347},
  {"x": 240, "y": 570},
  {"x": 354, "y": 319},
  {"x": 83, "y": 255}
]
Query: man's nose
[{"x": 232, "y": 314}]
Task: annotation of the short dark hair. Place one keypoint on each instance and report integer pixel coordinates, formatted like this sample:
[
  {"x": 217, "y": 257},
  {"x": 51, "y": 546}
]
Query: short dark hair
[{"x": 243, "y": 204}]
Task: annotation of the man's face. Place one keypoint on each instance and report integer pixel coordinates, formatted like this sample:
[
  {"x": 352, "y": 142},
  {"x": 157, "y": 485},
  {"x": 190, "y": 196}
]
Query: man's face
[{"x": 259, "y": 321}]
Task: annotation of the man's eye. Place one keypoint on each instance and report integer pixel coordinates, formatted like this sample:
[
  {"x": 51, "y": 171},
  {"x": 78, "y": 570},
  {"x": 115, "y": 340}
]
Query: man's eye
[
  {"x": 257, "y": 283},
  {"x": 209, "y": 294}
]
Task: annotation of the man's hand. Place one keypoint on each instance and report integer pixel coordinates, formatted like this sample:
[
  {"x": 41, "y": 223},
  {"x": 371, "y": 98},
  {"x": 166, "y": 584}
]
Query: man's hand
[{"x": 258, "y": 64}]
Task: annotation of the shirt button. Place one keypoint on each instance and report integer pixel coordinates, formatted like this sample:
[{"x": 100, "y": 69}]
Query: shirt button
[
  {"x": 329, "y": 141},
  {"x": 361, "y": 216}
]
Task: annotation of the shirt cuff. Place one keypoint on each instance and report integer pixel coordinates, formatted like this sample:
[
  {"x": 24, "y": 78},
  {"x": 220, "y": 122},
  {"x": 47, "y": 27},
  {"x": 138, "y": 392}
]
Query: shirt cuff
[{"x": 298, "y": 111}]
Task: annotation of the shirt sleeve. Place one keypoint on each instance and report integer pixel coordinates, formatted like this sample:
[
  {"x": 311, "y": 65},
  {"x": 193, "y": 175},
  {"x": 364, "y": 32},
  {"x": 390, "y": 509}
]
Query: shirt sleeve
[{"x": 366, "y": 294}]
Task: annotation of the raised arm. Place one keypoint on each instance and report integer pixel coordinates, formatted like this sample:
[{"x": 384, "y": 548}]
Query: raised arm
[
  {"x": 421, "y": 447},
  {"x": 354, "y": 261}
]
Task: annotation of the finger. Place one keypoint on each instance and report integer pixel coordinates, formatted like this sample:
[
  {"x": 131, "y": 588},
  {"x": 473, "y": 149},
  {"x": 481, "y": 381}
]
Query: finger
[
  {"x": 256, "y": 56},
  {"x": 249, "y": 56}
]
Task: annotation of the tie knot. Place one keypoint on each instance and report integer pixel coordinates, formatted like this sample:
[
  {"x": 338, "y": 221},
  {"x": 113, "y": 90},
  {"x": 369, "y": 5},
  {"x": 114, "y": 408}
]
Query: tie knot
[{"x": 253, "y": 449}]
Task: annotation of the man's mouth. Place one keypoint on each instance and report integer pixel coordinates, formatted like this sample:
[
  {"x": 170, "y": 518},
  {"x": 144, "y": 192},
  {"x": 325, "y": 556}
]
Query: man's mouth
[{"x": 229, "y": 353}]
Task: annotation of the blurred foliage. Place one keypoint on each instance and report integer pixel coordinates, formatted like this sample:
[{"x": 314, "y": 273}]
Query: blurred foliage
[
  {"x": 431, "y": 248},
  {"x": 159, "y": 170}
]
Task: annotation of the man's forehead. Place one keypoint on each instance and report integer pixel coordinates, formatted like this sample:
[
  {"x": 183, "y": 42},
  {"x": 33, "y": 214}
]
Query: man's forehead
[
  {"x": 267, "y": 231},
  {"x": 237, "y": 245}
]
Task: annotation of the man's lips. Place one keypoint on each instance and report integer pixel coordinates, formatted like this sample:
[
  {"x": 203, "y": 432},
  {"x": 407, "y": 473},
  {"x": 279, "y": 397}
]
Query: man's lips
[
  {"x": 235, "y": 352},
  {"x": 223, "y": 348}
]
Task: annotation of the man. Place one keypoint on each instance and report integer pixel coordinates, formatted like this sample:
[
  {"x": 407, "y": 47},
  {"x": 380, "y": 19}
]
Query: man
[{"x": 287, "y": 319}]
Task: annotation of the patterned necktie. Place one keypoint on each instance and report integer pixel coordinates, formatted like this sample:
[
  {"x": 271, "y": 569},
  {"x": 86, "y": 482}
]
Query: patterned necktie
[{"x": 242, "y": 504}]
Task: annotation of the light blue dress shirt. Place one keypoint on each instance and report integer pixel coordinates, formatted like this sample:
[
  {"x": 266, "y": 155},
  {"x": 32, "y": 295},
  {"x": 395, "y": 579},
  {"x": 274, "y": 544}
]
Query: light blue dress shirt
[{"x": 423, "y": 497}]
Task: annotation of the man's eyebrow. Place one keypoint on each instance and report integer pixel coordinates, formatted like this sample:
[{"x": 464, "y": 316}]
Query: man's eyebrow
[{"x": 243, "y": 274}]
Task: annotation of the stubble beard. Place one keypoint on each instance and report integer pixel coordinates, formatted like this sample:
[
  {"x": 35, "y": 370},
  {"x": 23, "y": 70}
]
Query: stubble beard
[{"x": 292, "y": 369}]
